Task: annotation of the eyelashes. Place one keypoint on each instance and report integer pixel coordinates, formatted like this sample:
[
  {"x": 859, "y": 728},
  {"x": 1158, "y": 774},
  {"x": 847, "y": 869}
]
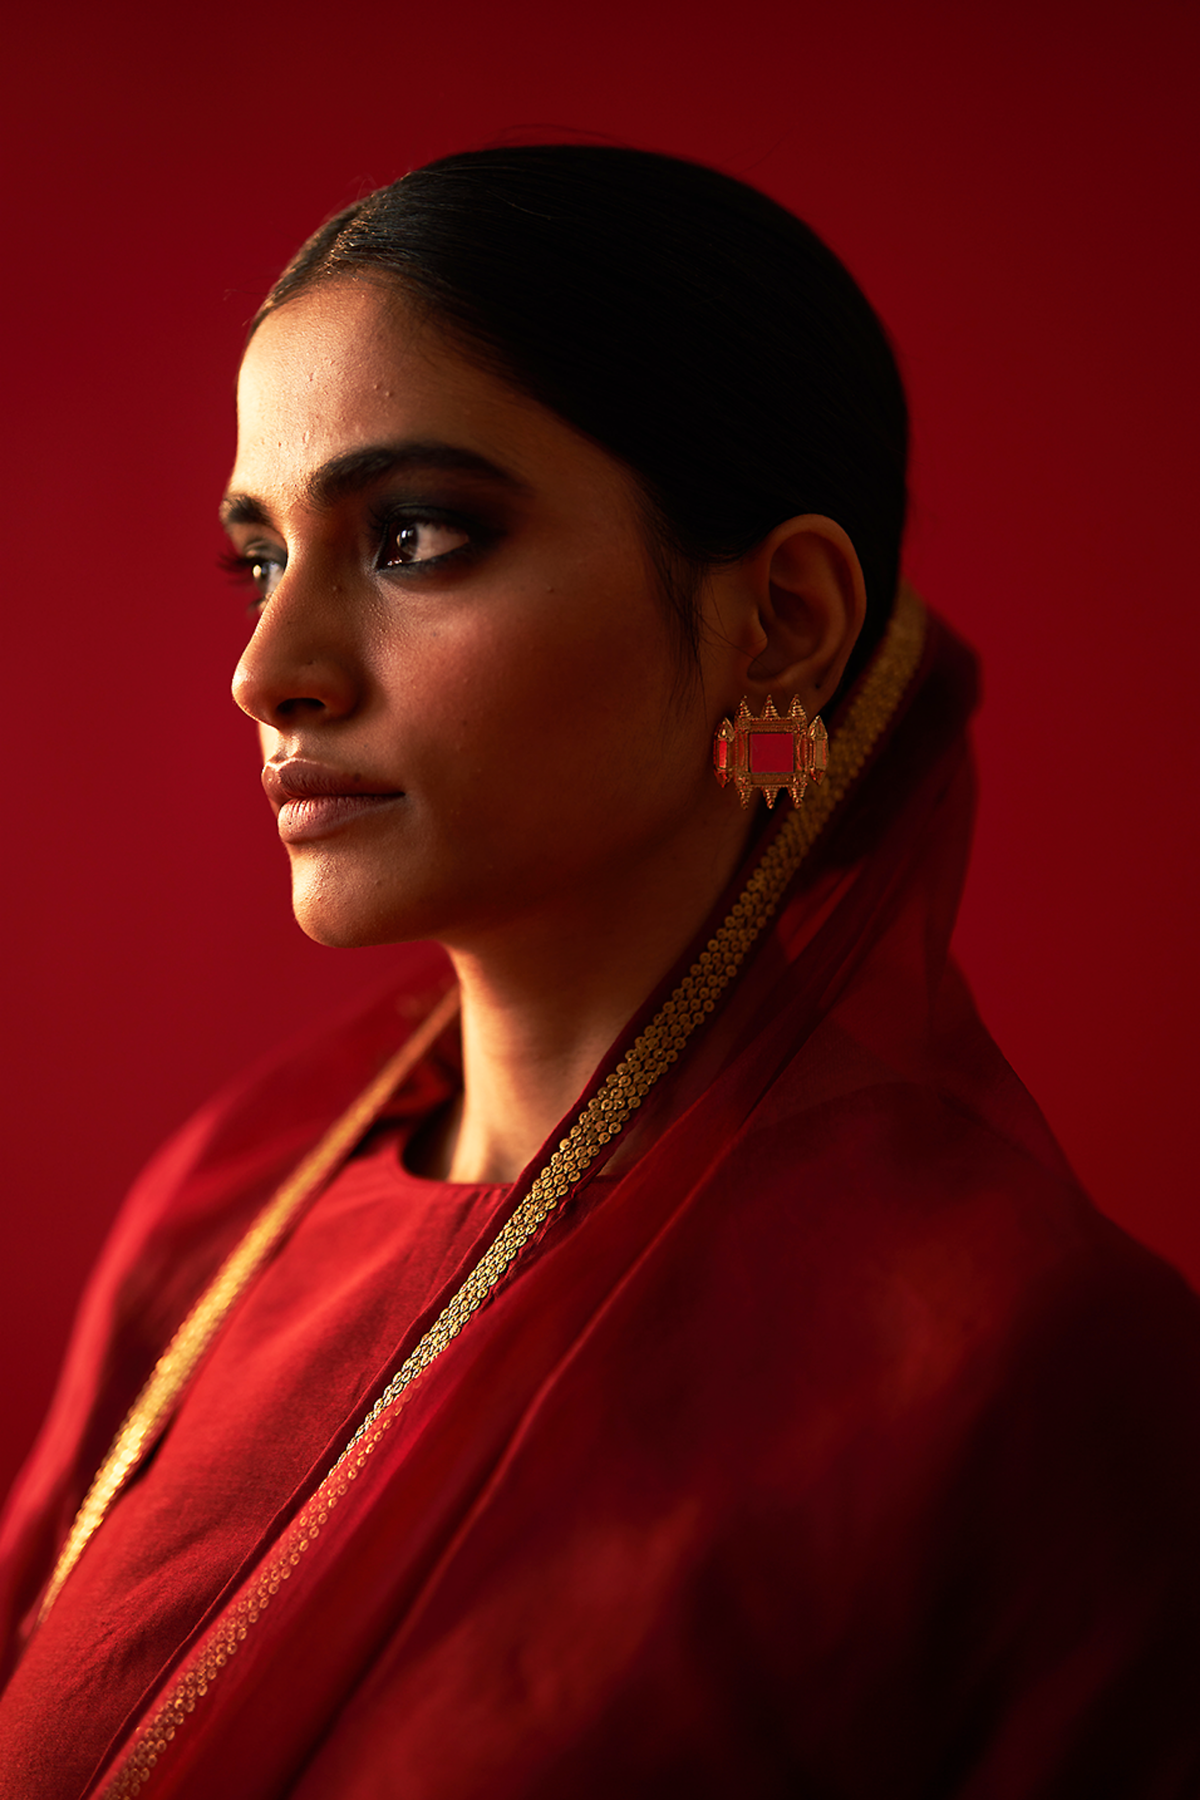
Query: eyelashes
[
  {"x": 408, "y": 541},
  {"x": 402, "y": 532},
  {"x": 240, "y": 565},
  {"x": 253, "y": 569}
]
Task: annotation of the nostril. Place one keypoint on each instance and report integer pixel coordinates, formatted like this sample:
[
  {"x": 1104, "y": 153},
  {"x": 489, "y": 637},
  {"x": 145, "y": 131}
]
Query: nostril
[
  {"x": 287, "y": 709},
  {"x": 284, "y": 674}
]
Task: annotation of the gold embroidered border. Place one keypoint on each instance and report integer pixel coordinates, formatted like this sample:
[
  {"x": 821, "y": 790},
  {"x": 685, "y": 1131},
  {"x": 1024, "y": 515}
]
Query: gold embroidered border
[
  {"x": 609, "y": 1110},
  {"x": 175, "y": 1366}
]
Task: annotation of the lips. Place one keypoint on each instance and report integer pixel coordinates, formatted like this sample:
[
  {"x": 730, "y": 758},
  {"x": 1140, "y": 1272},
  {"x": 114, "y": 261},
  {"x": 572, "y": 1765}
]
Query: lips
[{"x": 313, "y": 800}]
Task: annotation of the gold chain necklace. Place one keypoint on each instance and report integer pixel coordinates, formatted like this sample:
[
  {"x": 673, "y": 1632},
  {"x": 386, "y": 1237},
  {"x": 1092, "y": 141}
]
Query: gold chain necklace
[{"x": 608, "y": 1111}]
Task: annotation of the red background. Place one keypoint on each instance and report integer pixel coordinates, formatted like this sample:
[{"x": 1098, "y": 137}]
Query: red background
[{"x": 1014, "y": 187}]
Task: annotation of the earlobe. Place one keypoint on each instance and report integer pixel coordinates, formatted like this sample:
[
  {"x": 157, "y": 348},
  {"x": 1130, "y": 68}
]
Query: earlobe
[{"x": 812, "y": 603}]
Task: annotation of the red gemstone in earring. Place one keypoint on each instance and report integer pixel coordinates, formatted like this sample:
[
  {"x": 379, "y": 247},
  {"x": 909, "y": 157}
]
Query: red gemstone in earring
[
  {"x": 784, "y": 752},
  {"x": 723, "y": 751},
  {"x": 772, "y": 752}
]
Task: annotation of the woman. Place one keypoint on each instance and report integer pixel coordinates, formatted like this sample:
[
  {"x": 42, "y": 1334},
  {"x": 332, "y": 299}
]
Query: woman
[{"x": 673, "y": 1356}]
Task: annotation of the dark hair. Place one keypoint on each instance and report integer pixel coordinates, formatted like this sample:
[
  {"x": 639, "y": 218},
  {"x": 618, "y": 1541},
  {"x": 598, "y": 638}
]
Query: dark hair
[{"x": 683, "y": 321}]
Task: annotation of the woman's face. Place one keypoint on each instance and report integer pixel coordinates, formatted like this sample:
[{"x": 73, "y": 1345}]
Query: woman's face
[{"x": 467, "y": 689}]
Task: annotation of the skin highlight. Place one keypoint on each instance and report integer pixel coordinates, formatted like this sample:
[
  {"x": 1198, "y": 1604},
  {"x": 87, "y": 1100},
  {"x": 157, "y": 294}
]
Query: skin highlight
[{"x": 459, "y": 626}]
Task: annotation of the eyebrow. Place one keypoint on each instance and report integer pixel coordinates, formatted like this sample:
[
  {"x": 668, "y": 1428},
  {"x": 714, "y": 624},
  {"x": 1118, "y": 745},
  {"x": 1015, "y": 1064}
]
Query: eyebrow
[{"x": 350, "y": 473}]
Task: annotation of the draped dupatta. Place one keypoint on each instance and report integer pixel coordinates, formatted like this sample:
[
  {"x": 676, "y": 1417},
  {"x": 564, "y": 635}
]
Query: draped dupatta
[{"x": 798, "y": 1456}]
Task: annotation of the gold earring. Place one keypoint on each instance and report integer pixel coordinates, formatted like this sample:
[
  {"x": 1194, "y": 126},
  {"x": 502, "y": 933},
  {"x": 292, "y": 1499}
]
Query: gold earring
[{"x": 770, "y": 752}]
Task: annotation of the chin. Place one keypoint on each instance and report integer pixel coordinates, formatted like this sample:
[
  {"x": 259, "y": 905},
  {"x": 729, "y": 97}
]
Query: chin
[
  {"x": 350, "y": 895},
  {"x": 339, "y": 930},
  {"x": 336, "y": 937},
  {"x": 353, "y": 920}
]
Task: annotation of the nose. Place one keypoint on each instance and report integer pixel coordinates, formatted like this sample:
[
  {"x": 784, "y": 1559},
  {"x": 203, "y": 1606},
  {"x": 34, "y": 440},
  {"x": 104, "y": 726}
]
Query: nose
[{"x": 300, "y": 663}]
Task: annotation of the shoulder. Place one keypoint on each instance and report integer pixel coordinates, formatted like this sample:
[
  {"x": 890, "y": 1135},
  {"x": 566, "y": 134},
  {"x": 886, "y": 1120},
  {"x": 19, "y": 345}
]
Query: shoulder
[
  {"x": 202, "y": 1188},
  {"x": 184, "y": 1214},
  {"x": 961, "y": 1406}
]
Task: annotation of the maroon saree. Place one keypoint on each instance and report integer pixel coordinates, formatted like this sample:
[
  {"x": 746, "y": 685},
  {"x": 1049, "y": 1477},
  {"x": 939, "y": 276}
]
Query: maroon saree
[{"x": 823, "y": 1442}]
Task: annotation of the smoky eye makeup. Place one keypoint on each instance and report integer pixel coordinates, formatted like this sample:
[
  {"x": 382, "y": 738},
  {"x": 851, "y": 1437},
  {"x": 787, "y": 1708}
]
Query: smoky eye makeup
[
  {"x": 406, "y": 534},
  {"x": 413, "y": 534}
]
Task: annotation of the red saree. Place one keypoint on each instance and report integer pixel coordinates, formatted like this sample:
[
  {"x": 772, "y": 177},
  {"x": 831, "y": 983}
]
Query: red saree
[{"x": 826, "y": 1442}]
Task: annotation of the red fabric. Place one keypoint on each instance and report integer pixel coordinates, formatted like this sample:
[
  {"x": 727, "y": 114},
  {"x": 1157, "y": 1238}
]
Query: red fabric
[
  {"x": 319, "y": 1329},
  {"x": 831, "y": 1444}
]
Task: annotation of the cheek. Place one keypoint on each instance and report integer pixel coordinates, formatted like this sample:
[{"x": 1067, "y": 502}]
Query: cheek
[
  {"x": 577, "y": 713},
  {"x": 555, "y": 685}
]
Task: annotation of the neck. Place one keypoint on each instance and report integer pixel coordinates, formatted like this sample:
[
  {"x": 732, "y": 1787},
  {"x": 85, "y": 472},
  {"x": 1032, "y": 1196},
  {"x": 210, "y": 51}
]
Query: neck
[{"x": 543, "y": 1000}]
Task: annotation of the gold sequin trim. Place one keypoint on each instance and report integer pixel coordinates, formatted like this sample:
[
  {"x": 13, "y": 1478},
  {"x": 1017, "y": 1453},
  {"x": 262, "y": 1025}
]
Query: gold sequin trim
[
  {"x": 609, "y": 1110},
  {"x": 222, "y": 1644}
]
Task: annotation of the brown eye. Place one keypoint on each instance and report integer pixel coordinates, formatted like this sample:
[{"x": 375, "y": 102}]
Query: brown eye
[
  {"x": 264, "y": 573},
  {"x": 421, "y": 541},
  {"x": 257, "y": 569}
]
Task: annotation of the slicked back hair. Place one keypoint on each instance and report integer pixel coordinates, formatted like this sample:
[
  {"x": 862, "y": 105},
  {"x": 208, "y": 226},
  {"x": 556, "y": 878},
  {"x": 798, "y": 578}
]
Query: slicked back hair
[{"x": 689, "y": 325}]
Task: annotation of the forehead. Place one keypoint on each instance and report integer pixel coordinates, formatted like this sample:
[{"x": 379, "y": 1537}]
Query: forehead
[{"x": 351, "y": 364}]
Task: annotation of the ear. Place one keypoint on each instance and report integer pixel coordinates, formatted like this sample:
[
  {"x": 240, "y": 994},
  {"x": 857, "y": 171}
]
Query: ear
[{"x": 811, "y": 601}]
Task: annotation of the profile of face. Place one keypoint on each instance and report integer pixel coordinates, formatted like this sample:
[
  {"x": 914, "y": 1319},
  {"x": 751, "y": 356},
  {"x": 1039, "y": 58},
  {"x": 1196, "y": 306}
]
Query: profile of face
[{"x": 467, "y": 685}]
